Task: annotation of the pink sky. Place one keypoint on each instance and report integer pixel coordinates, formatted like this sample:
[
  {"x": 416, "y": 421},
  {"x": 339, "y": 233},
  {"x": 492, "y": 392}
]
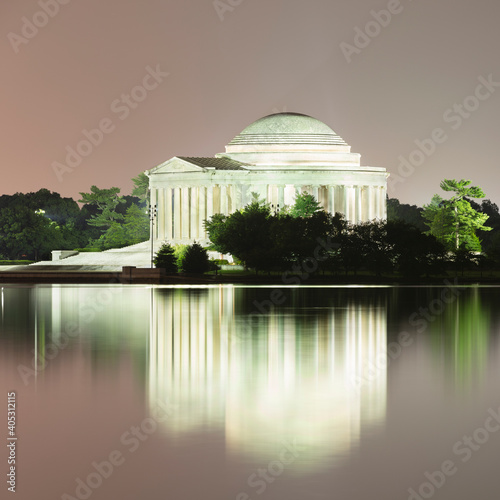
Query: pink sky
[{"x": 228, "y": 68}]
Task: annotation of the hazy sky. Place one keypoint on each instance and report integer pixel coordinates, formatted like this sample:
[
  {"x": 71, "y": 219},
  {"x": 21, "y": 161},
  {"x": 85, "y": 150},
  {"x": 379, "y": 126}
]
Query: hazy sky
[{"x": 230, "y": 62}]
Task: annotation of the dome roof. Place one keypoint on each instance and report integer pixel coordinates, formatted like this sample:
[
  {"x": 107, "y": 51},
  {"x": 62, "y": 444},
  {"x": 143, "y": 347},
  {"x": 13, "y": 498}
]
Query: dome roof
[{"x": 288, "y": 128}]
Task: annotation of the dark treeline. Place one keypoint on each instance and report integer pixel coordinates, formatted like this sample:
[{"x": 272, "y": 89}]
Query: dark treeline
[
  {"x": 412, "y": 214},
  {"x": 414, "y": 241},
  {"x": 312, "y": 240},
  {"x": 34, "y": 224}
]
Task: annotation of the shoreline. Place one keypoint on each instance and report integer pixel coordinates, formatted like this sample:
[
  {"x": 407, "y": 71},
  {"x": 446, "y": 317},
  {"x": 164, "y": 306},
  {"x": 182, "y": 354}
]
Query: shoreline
[{"x": 158, "y": 278}]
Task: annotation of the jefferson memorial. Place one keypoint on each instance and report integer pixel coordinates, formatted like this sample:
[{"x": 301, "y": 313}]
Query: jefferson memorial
[{"x": 275, "y": 158}]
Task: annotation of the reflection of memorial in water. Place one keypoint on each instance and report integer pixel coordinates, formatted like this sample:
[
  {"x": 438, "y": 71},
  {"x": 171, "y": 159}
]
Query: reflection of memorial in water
[{"x": 292, "y": 377}]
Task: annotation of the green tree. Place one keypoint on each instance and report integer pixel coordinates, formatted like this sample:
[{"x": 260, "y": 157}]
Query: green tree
[
  {"x": 136, "y": 222},
  {"x": 490, "y": 209},
  {"x": 134, "y": 229},
  {"x": 106, "y": 201},
  {"x": 411, "y": 214},
  {"x": 245, "y": 234},
  {"x": 25, "y": 233},
  {"x": 305, "y": 206},
  {"x": 114, "y": 237},
  {"x": 56, "y": 208},
  {"x": 180, "y": 251},
  {"x": 195, "y": 260},
  {"x": 165, "y": 258},
  {"x": 454, "y": 222},
  {"x": 216, "y": 229},
  {"x": 265, "y": 241},
  {"x": 412, "y": 252},
  {"x": 141, "y": 187}
]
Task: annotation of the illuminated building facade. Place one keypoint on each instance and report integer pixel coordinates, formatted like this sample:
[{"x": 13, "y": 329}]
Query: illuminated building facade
[{"x": 275, "y": 157}]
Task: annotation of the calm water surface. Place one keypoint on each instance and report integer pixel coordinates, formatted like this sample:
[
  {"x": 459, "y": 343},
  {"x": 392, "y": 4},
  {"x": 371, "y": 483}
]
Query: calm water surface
[{"x": 210, "y": 393}]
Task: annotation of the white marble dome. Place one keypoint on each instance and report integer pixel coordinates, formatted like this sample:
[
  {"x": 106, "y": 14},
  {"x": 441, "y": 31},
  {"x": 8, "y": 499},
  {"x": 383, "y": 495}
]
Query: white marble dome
[
  {"x": 288, "y": 139},
  {"x": 288, "y": 128}
]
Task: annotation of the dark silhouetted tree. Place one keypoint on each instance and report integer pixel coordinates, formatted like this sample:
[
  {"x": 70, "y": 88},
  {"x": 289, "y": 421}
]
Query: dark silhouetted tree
[
  {"x": 165, "y": 258},
  {"x": 195, "y": 260}
]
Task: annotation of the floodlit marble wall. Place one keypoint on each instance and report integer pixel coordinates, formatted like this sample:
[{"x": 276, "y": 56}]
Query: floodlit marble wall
[{"x": 182, "y": 209}]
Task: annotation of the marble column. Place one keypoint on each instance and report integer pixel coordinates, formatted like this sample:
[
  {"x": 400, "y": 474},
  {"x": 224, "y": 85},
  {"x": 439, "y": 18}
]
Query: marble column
[
  {"x": 210, "y": 201},
  {"x": 352, "y": 203},
  {"x": 371, "y": 201},
  {"x": 384, "y": 202},
  {"x": 230, "y": 198},
  {"x": 160, "y": 214},
  {"x": 358, "y": 193},
  {"x": 202, "y": 211},
  {"x": 177, "y": 213},
  {"x": 347, "y": 203},
  {"x": 185, "y": 213},
  {"x": 195, "y": 212},
  {"x": 269, "y": 195},
  {"x": 315, "y": 192},
  {"x": 168, "y": 214},
  {"x": 331, "y": 199},
  {"x": 237, "y": 197},
  {"x": 281, "y": 197},
  {"x": 153, "y": 201},
  {"x": 223, "y": 199},
  {"x": 324, "y": 197},
  {"x": 289, "y": 194},
  {"x": 377, "y": 202}
]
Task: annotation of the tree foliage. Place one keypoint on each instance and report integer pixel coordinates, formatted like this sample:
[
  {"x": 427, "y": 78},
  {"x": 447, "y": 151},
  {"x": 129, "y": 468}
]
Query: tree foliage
[
  {"x": 453, "y": 221},
  {"x": 195, "y": 260},
  {"x": 106, "y": 201},
  {"x": 141, "y": 187},
  {"x": 411, "y": 214},
  {"x": 265, "y": 241},
  {"x": 305, "y": 205},
  {"x": 165, "y": 258},
  {"x": 134, "y": 229},
  {"x": 244, "y": 234},
  {"x": 25, "y": 233}
]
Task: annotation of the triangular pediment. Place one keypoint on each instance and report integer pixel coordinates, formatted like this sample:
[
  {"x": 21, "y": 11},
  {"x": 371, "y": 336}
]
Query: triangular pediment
[{"x": 176, "y": 165}]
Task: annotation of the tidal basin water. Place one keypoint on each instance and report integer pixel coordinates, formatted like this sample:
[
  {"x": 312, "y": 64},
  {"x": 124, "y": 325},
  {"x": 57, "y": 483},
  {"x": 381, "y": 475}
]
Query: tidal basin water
[{"x": 187, "y": 393}]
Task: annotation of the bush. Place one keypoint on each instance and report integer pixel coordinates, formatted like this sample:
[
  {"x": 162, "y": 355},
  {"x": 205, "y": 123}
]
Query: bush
[
  {"x": 87, "y": 249},
  {"x": 166, "y": 259},
  {"x": 180, "y": 252},
  {"x": 220, "y": 262},
  {"x": 195, "y": 260}
]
